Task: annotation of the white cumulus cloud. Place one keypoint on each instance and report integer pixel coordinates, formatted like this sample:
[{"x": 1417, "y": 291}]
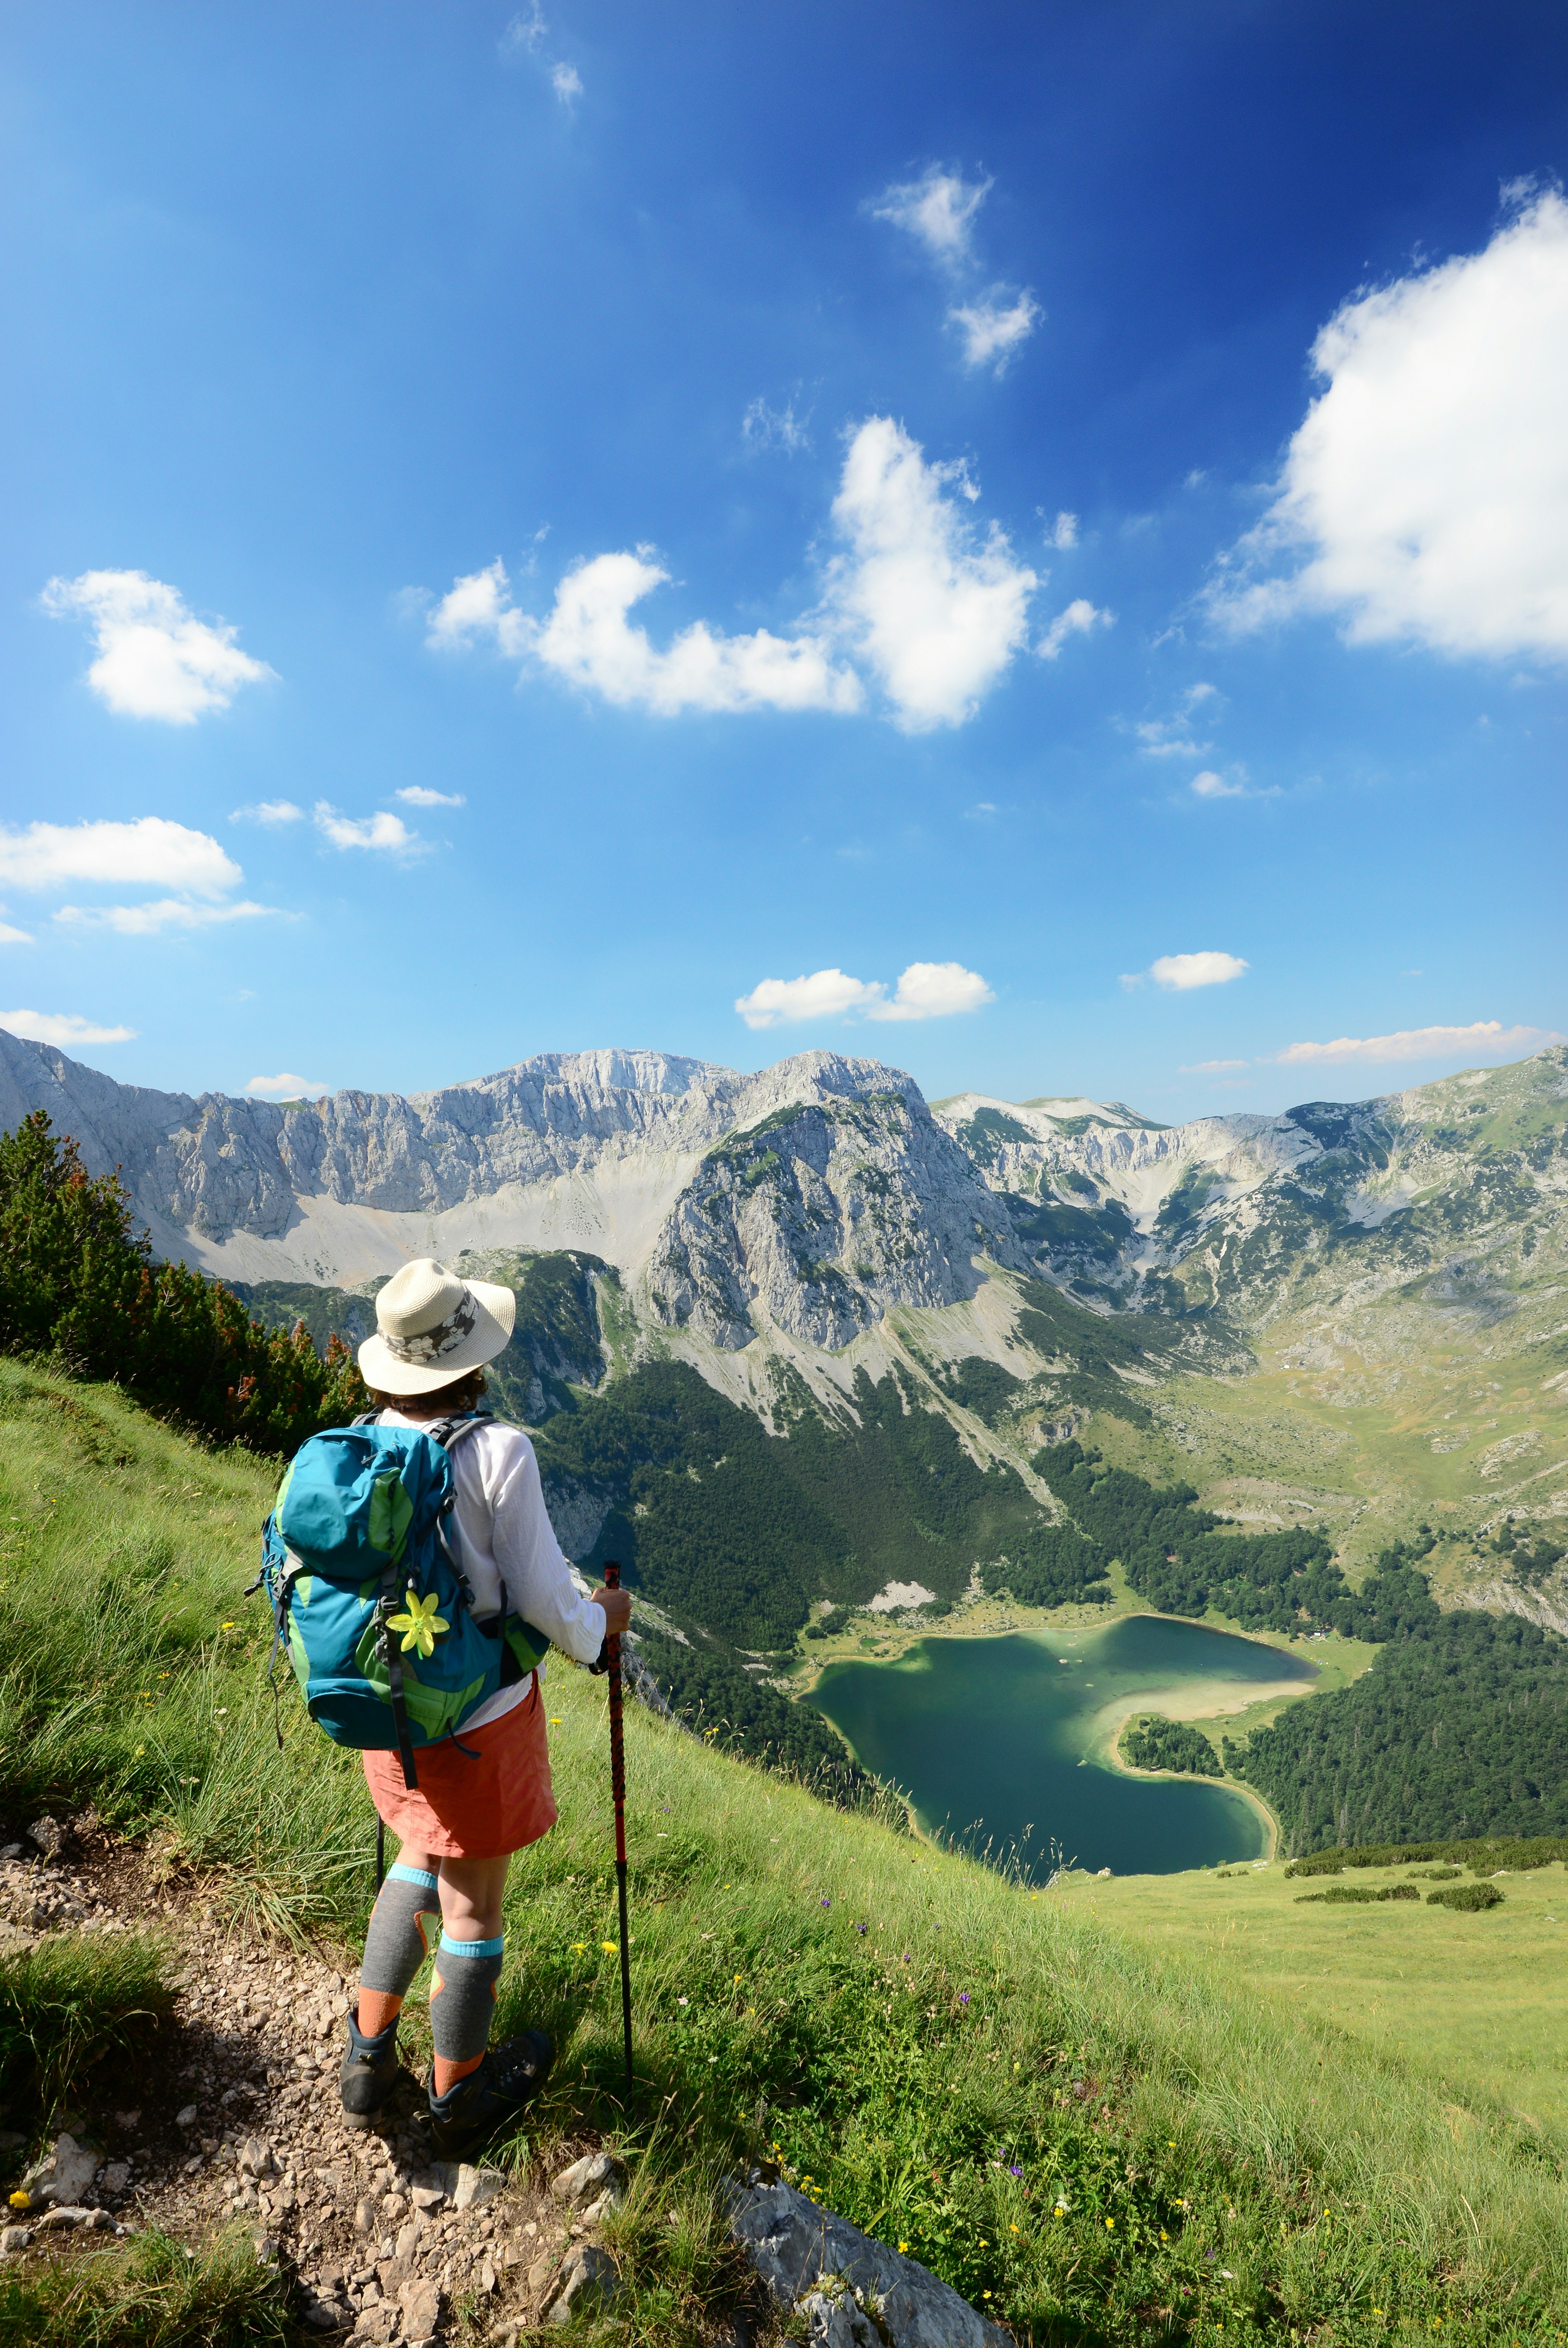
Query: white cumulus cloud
[
  {"x": 1211, "y": 786},
  {"x": 285, "y": 1088},
  {"x": 588, "y": 639},
  {"x": 1485, "y": 1036},
  {"x": 148, "y": 850},
  {"x": 934, "y": 989},
  {"x": 419, "y": 795},
  {"x": 155, "y": 658},
  {"x": 1179, "y": 973},
  {"x": 934, "y": 607},
  {"x": 273, "y": 812},
  {"x": 994, "y": 328},
  {"x": 1080, "y": 619},
  {"x": 163, "y": 914},
  {"x": 927, "y": 990},
  {"x": 938, "y": 210},
  {"x": 382, "y": 830},
  {"x": 1426, "y": 495},
  {"x": 14, "y": 937},
  {"x": 62, "y": 1028},
  {"x": 826, "y": 994},
  {"x": 931, "y": 606}
]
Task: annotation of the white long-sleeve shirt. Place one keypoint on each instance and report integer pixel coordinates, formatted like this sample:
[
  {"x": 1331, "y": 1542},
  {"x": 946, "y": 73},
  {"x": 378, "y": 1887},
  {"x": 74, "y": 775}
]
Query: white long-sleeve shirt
[{"x": 509, "y": 1546}]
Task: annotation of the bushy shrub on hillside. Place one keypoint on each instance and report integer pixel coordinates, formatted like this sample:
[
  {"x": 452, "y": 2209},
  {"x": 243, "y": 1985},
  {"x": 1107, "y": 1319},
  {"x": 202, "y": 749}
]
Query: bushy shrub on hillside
[
  {"x": 1469, "y": 1898},
  {"x": 77, "y": 1280}
]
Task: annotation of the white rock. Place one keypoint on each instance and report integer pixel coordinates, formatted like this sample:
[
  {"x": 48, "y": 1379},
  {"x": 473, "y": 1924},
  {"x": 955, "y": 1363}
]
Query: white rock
[
  {"x": 65, "y": 2174},
  {"x": 186, "y": 2116},
  {"x": 586, "y": 2180},
  {"x": 852, "y": 2292},
  {"x": 14, "y": 2240},
  {"x": 473, "y": 2187}
]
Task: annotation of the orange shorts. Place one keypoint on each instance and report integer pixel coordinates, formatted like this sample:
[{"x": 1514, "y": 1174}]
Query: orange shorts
[{"x": 464, "y": 1807}]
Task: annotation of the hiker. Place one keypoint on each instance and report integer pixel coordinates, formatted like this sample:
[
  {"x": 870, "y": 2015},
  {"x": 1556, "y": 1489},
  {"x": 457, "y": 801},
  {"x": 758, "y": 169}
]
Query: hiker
[{"x": 483, "y": 1792}]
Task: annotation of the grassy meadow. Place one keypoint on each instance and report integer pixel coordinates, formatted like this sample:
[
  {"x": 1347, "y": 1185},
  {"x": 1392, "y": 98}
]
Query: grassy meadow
[
  {"x": 1092, "y": 2128},
  {"x": 1475, "y": 2003}
]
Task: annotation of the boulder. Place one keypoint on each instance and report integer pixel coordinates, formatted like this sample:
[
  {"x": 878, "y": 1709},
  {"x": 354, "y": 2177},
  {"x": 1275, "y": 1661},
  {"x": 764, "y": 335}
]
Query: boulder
[
  {"x": 852, "y": 2292},
  {"x": 589, "y": 2284},
  {"x": 65, "y": 2174}
]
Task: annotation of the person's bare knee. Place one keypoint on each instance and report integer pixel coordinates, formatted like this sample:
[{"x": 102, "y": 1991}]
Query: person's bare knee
[{"x": 473, "y": 1890}]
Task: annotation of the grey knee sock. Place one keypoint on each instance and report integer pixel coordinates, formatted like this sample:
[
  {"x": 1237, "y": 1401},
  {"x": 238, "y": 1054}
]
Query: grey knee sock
[
  {"x": 462, "y": 1996},
  {"x": 396, "y": 1944}
]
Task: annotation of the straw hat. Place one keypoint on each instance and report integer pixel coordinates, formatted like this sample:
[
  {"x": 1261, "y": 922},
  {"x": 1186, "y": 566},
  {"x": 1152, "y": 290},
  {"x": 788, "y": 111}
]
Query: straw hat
[{"x": 431, "y": 1327}]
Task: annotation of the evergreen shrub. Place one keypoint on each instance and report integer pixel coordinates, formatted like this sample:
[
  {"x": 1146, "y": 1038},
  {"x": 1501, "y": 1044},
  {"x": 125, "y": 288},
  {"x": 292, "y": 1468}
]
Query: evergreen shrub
[{"x": 79, "y": 1283}]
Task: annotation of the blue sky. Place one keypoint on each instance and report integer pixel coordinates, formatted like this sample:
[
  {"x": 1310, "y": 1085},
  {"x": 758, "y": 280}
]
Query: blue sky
[{"x": 1031, "y": 543}]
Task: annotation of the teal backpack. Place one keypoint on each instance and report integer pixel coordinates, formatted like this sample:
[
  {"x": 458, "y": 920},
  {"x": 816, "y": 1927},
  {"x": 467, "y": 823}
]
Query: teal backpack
[{"x": 363, "y": 1564}]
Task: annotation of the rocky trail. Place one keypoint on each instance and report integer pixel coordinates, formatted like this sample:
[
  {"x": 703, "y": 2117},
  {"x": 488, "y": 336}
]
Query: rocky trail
[{"x": 236, "y": 2120}]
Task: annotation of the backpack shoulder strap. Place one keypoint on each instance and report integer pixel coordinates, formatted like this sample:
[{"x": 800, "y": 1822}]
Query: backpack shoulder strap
[{"x": 450, "y": 1432}]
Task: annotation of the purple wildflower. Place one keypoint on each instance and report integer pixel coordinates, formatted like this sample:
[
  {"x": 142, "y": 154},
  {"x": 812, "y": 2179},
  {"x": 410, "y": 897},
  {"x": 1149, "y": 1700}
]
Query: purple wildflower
[
  {"x": 827, "y": 1903},
  {"x": 962, "y": 1997},
  {"x": 861, "y": 1929},
  {"x": 906, "y": 1958},
  {"x": 1015, "y": 2171}
]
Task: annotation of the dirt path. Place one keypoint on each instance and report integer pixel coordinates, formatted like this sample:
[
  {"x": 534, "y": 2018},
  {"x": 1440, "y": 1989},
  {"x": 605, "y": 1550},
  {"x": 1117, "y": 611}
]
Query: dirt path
[{"x": 234, "y": 2119}]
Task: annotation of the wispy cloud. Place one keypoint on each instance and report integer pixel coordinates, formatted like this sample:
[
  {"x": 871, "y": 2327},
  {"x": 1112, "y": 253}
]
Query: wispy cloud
[
  {"x": 155, "y": 658},
  {"x": 525, "y": 36},
  {"x": 1080, "y": 619},
  {"x": 1211, "y": 786},
  {"x": 994, "y": 326},
  {"x": 1212, "y": 1067},
  {"x": 1482, "y": 1036},
  {"x": 148, "y": 850},
  {"x": 383, "y": 831},
  {"x": 937, "y": 210},
  {"x": 763, "y": 427},
  {"x": 64, "y": 1029},
  {"x": 14, "y": 937},
  {"x": 418, "y": 795},
  {"x": 285, "y": 1088},
  {"x": 1062, "y": 533},
  {"x": 1180, "y": 972},
  {"x": 1176, "y": 737},
  {"x": 1425, "y": 496},
  {"x": 163, "y": 914},
  {"x": 273, "y": 812},
  {"x": 927, "y": 990}
]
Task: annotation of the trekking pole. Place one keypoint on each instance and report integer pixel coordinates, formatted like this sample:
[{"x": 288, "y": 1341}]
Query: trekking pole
[{"x": 618, "y": 1794}]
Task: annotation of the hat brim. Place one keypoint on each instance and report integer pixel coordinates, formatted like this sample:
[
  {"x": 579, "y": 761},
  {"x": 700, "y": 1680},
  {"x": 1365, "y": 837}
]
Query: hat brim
[{"x": 494, "y": 1318}]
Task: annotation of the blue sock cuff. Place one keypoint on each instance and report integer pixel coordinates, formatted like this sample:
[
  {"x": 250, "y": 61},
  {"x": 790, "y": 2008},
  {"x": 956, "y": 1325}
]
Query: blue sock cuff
[
  {"x": 401, "y": 1874},
  {"x": 451, "y": 1948}
]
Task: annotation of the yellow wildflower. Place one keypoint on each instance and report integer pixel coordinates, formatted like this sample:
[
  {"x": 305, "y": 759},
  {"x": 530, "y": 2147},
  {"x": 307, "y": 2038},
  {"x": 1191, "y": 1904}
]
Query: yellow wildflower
[
  {"x": 420, "y": 1625},
  {"x": 20, "y": 2201},
  {"x": 610, "y": 1948}
]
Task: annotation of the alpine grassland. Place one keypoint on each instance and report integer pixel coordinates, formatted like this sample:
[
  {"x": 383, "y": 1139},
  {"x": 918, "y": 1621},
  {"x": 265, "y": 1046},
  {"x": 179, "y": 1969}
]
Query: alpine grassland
[{"x": 1096, "y": 2133}]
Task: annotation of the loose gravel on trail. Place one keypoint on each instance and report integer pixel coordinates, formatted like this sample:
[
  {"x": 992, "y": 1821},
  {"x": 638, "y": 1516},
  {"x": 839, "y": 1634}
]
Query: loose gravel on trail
[{"x": 234, "y": 2119}]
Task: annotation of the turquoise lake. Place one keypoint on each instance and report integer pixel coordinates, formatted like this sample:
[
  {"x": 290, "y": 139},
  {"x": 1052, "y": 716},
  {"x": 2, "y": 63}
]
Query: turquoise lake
[{"x": 991, "y": 1737}]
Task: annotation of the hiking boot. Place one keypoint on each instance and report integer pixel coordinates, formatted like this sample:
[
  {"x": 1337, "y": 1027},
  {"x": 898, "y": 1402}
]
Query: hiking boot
[
  {"x": 370, "y": 2072},
  {"x": 488, "y": 2100}
]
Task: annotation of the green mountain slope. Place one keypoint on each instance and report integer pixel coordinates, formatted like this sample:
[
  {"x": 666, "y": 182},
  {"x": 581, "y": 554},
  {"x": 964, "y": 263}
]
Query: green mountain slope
[{"x": 1095, "y": 2139}]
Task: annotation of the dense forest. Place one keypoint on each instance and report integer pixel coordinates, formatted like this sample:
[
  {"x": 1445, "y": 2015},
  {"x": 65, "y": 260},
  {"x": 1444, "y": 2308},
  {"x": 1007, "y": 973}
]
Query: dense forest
[
  {"x": 1459, "y": 1729},
  {"x": 1153, "y": 1742},
  {"x": 743, "y": 1530}
]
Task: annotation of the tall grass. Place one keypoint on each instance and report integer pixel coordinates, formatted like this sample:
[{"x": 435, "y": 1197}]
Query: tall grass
[
  {"x": 67, "y": 2003},
  {"x": 941, "y": 2054}
]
